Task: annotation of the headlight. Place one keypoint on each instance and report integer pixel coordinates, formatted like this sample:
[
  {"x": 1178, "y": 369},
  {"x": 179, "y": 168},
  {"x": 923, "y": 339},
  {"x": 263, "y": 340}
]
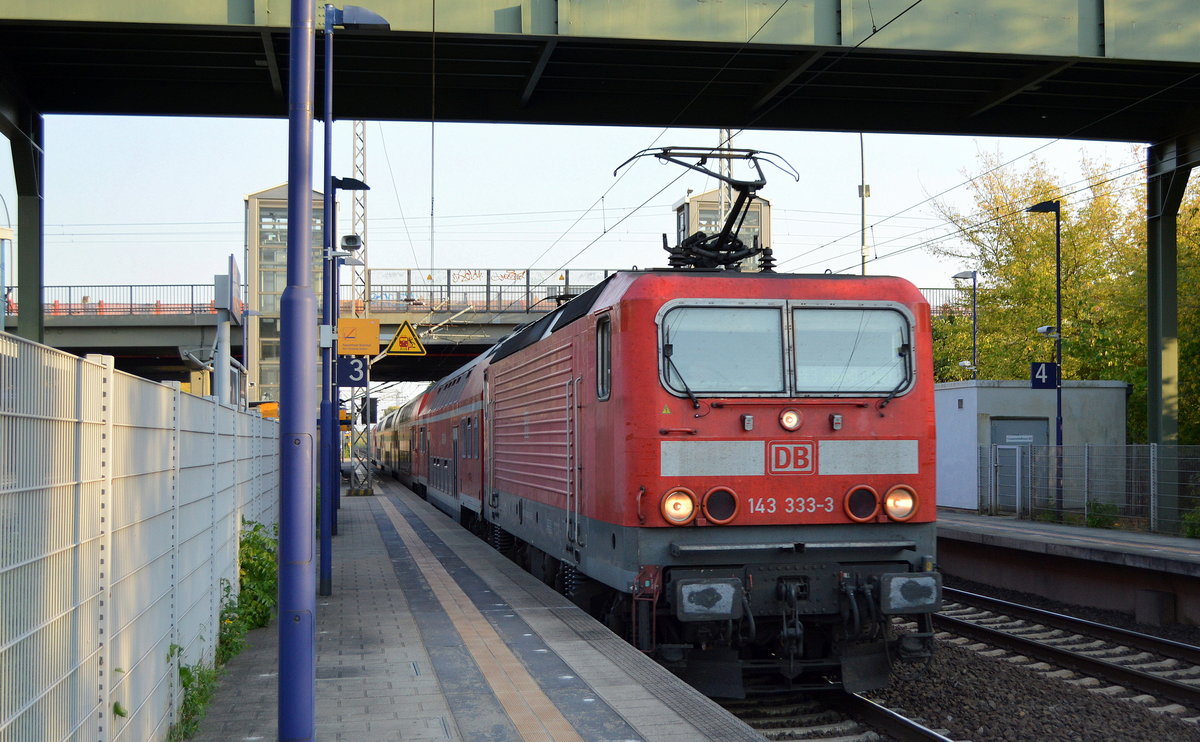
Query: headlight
[
  {"x": 861, "y": 503},
  {"x": 678, "y": 506},
  {"x": 790, "y": 420},
  {"x": 720, "y": 505},
  {"x": 900, "y": 503}
]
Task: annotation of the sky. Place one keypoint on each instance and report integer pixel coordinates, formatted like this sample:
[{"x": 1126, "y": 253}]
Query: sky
[{"x": 158, "y": 200}]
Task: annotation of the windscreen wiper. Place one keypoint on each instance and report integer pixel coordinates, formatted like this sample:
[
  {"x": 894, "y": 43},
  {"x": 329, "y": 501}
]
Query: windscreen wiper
[
  {"x": 904, "y": 351},
  {"x": 668, "y": 349}
]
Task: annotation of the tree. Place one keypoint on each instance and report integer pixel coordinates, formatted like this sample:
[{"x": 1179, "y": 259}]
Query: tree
[{"x": 1103, "y": 279}]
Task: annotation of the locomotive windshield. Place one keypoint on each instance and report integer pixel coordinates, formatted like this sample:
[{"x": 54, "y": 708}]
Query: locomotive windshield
[
  {"x": 723, "y": 350},
  {"x": 742, "y": 349},
  {"x": 839, "y": 351}
]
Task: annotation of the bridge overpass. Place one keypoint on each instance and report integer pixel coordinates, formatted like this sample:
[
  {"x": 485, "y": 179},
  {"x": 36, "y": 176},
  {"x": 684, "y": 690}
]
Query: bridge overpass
[
  {"x": 1088, "y": 69},
  {"x": 166, "y": 332}
]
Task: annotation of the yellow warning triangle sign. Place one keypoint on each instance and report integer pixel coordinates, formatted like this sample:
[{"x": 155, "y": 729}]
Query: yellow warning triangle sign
[{"x": 405, "y": 343}]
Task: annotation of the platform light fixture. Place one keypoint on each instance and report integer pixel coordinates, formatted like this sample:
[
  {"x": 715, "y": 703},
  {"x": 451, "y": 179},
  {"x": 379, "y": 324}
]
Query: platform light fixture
[
  {"x": 974, "y": 366},
  {"x": 1055, "y": 207},
  {"x": 355, "y": 18}
]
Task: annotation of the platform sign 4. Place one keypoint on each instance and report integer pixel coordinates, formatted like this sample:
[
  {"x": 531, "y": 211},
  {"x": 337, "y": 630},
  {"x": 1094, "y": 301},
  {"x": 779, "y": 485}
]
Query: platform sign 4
[
  {"x": 352, "y": 371},
  {"x": 1043, "y": 375},
  {"x": 405, "y": 343},
  {"x": 358, "y": 337}
]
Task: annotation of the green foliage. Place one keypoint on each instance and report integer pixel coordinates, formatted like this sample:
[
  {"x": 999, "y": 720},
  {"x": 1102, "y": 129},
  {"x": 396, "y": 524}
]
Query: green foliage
[
  {"x": 1103, "y": 279},
  {"x": 259, "y": 573},
  {"x": 119, "y": 710},
  {"x": 231, "y": 633},
  {"x": 1102, "y": 515},
  {"x": 1191, "y": 523},
  {"x": 251, "y": 608},
  {"x": 199, "y": 683}
]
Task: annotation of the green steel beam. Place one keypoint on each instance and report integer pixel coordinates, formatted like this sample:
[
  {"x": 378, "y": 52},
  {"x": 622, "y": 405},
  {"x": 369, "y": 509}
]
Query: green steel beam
[{"x": 1152, "y": 30}]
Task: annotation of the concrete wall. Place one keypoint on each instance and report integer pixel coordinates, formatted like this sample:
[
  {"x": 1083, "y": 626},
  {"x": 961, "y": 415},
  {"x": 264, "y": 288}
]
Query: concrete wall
[{"x": 1093, "y": 413}]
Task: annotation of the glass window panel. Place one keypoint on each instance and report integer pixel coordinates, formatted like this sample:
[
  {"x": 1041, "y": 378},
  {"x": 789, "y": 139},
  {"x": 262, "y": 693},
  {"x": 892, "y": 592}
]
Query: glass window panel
[
  {"x": 269, "y": 303},
  {"x": 268, "y": 375},
  {"x": 850, "y": 350},
  {"x": 271, "y": 281},
  {"x": 603, "y": 358},
  {"x": 268, "y": 327},
  {"x": 273, "y": 256},
  {"x": 269, "y": 350},
  {"x": 718, "y": 350}
]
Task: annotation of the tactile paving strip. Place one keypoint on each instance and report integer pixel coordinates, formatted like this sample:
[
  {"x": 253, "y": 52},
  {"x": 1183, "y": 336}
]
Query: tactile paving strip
[{"x": 532, "y": 713}]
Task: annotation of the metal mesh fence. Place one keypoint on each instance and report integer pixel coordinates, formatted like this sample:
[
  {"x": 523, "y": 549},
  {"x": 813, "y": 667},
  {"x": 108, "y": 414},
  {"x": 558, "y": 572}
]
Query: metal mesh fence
[
  {"x": 120, "y": 507},
  {"x": 1135, "y": 487}
]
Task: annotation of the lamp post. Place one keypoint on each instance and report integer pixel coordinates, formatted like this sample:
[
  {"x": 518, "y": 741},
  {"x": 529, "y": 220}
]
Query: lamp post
[
  {"x": 974, "y": 321},
  {"x": 1046, "y": 207},
  {"x": 351, "y": 16},
  {"x": 296, "y": 706},
  {"x": 330, "y": 425}
]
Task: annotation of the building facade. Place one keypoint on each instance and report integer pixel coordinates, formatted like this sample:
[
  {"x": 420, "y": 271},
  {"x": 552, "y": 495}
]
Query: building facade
[{"x": 266, "y": 278}]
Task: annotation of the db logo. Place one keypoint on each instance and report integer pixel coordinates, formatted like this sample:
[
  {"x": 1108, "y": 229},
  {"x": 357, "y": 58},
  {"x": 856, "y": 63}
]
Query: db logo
[{"x": 791, "y": 458}]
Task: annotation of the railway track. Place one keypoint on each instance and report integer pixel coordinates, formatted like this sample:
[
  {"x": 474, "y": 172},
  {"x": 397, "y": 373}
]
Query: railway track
[
  {"x": 845, "y": 717},
  {"x": 1139, "y": 667}
]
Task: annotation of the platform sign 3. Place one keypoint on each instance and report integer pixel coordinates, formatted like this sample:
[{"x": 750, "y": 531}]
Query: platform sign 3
[
  {"x": 1043, "y": 375},
  {"x": 405, "y": 343},
  {"x": 352, "y": 371},
  {"x": 358, "y": 337}
]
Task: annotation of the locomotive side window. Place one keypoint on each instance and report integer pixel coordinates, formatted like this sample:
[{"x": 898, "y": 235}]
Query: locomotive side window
[
  {"x": 603, "y": 357},
  {"x": 723, "y": 350},
  {"x": 851, "y": 351}
]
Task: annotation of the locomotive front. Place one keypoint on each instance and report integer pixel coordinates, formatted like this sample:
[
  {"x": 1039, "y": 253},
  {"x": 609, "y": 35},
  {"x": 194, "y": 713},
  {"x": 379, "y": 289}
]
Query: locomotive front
[{"x": 785, "y": 493}]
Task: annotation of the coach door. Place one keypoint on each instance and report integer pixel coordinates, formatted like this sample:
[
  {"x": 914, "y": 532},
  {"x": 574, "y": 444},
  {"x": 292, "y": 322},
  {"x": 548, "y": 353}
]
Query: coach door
[{"x": 454, "y": 463}]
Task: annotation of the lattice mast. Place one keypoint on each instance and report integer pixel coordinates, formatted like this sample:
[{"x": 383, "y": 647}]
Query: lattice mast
[{"x": 360, "y": 291}]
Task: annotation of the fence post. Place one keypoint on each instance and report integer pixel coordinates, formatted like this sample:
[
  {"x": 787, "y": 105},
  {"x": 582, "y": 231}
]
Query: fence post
[
  {"x": 176, "y": 639},
  {"x": 1154, "y": 488},
  {"x": 528, "y": 293},
  {"x": 991, "y": 505},
  {"x": 1087, "y": 495},
  {"x": 487, "y": 296},
  {"x": 105, "y": 678}
]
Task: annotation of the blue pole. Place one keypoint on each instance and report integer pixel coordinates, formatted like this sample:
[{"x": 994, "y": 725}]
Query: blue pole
[
  {"x": 335, "y": 445},
  {"x": 297, "y": 403},
  {"x": 330, "y": 426}
]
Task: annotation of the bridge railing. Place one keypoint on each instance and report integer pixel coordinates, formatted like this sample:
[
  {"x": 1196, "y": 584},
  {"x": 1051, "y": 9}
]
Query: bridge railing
[
  {"x": 391, "y": 291},
  {"x": 121, "y": 503},
  {"x": 131, "y": 299}
]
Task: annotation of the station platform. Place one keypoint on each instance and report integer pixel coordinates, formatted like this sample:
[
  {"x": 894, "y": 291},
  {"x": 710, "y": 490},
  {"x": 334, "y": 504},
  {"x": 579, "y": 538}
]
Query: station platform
[
  {"x": 1154, "y": 577},
  {"x": 432, "y": 635},
  {"x": 1169, "y": 554}
]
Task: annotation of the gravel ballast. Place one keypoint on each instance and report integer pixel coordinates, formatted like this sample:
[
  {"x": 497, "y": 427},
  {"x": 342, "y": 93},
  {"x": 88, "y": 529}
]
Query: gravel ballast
[{"x": 990, "y": 700}]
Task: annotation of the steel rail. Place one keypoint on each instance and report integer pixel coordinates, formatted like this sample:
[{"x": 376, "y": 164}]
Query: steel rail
[
  {"x": 1145, "y": 642},
  {"x": 885, "y": 720},
  {"x": 1181, "y": 693}
]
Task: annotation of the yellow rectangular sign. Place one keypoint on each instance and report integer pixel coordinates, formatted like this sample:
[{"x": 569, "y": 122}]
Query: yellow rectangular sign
[{"x": 358, "y": 337}]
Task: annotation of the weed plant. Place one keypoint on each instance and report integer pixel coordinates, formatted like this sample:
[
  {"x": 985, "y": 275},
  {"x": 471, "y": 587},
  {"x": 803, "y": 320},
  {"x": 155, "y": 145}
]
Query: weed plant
[{"x": 249, "y": 609}]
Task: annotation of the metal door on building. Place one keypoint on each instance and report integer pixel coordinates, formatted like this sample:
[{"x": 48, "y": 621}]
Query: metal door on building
[{"x": 1012, "y": 439}]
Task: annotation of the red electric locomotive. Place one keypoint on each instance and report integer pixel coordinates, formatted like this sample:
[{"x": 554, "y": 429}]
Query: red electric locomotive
[{"x": 734, "y": 469}]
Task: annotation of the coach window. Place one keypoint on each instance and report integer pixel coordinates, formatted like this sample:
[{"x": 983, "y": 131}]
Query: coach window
[{"x": 603, "y": 357}]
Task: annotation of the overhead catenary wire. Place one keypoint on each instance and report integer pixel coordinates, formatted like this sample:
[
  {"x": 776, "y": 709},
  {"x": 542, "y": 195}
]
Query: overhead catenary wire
[{"x": 1015, "y": 211}]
